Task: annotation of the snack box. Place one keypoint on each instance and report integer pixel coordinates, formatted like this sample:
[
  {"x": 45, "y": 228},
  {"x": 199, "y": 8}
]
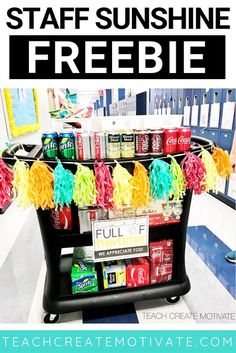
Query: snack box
[
  {"x": 160, "y": 212},
  {"x": 87, "y": 215},
  {"x": 83, "y": 277},
  {"x": 114, "y": 274},
  {"x": 137, "y": 272},
  {"x": 161, "y": 252},
  {"x": 160, "y": 273}
]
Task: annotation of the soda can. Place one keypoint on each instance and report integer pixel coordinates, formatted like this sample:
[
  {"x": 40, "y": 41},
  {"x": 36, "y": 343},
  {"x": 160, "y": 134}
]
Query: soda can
[
  {"x": 83, "y": 220},
  {"x": 183, "y": 139},
  {"x": 66, "y": 141},
  {"x": 170, "y": 141},
  {"x": 156, "y": 142},
  {"x": 82, "y": 146},
  {"x": 98, "y": 145},
  {"x": 50, "y": 144},
  {"x": 127, "y": 144},
  {"x": 141, "y": 142},
  {"x": 61, "y": 218},
  {"x": 113, "y": 144}
]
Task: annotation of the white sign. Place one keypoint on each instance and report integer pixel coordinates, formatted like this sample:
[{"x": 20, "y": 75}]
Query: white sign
[
  {"x": 228, "y": 115},
  {"x": 204, "y": 115},
  {"x": 187, "y": 115},
  {"x": 215, "y": 115},
  {"x": 120, "y": 238},
  {"x": 194, "y": 117},
  {"x": 232, "y": 186}
]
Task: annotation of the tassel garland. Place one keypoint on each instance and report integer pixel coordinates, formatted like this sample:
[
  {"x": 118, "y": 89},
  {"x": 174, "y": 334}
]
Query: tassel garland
[
  {"x": 222, "y": 161},
  {"x": 84, "y": 192},
  {"x": 160, "y": 179},
  {"x": 122, "y": 186},
  {"x": 104, "y": 186},
  {"x": 21, "y": 184},
  {"x": 194, "y": 173},
  {"x": 63, "y": 185},
  {"x": 6, "y": 178},
  {"x": 41, "y": 185},
  {"x": 141, "y": 186},
  {"x": 212, "y": 176},
  {"x": 179, "y": 185}
]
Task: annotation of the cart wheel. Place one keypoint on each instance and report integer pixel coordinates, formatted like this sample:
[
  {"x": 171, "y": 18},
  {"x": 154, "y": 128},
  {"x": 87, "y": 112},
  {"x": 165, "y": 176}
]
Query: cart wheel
[
  {"x": 51, "y": 318},
  {"x": 173, "y": 300}
]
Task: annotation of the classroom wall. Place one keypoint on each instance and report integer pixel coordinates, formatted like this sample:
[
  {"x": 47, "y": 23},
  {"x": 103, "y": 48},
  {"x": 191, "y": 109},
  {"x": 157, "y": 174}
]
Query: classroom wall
[{"x": 33, "y": 137}]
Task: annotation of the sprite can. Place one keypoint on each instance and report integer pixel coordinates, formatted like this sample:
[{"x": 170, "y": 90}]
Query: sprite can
[
  {"x": 50, "y": 144},
  {"x": 66, "y": 142}
]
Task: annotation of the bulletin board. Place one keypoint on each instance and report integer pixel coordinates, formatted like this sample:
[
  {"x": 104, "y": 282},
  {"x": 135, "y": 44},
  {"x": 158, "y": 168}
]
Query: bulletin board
[{"x": 22, "y": 110}]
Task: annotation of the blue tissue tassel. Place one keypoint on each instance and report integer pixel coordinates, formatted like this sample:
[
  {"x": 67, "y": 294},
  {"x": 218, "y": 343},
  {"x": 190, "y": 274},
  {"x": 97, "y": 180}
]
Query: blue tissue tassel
[
  {"x": 161, "y": 179},
  {"x": 63, "y": 185}
]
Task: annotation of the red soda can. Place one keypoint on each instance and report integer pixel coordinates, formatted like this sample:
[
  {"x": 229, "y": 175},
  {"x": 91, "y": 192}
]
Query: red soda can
[
  {"x": 170, "y": 140},
  {"x": 61, "y": 218},
  {"x": 141, "y": 142},
  {"x": 82, "y": 144},
  {"x": 98, "y": 145},
  {"x": 156, "y": 142},
  {"x": 184, "y": 138}
]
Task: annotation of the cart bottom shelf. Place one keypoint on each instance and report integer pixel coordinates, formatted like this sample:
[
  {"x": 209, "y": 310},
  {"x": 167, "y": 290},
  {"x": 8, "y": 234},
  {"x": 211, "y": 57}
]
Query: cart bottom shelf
[{"x": 65, "y": 302}]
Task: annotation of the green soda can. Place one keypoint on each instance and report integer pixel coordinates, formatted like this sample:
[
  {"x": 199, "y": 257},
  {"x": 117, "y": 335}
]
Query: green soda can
[
  {"x": 50, "y": 144},
  {"x": 66, "y": 142}
]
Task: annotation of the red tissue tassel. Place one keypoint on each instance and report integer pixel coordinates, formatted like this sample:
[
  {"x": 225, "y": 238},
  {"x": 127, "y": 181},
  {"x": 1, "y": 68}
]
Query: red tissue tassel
[
  {"x": 194, "y": 173},
  {"x": 6, "y": 178},
  {"x": 104, "y": 185}
]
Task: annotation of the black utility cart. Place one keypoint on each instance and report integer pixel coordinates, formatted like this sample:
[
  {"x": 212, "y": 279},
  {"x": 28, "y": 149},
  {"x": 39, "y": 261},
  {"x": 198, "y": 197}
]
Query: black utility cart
[{"x": 58, "y": 298}]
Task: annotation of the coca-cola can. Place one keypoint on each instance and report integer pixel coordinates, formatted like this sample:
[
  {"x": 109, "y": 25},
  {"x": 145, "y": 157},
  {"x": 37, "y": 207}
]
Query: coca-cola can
[
  {"x": 184, "y": 138},
  {"x": 82, "y": 146},
  {"x": 156, "y": 142},
  {"x": 61, "y": 218},
  {"x": 170, "y": 141},
  {"x": 141, "y": 142},
  {"x": 98, "y": 145}
]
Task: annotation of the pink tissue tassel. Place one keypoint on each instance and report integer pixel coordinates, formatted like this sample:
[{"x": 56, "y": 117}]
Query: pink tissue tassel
[
  {"x": 104, "y": 185},
  {"x": 6, "y": 178}
]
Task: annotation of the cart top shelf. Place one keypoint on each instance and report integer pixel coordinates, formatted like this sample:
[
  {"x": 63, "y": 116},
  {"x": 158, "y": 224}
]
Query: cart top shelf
[{"x": 30, "y": 153}]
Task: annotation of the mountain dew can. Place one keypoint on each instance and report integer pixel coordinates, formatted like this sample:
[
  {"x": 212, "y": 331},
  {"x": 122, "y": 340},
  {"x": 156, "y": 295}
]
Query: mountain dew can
[
  {"x": 50, "y": 144},
  {"x": 66, "y": 142}
]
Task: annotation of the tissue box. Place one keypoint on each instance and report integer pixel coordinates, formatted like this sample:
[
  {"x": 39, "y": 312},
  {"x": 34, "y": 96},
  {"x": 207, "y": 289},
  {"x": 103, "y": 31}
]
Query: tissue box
[{"x": 114, "y": 274}]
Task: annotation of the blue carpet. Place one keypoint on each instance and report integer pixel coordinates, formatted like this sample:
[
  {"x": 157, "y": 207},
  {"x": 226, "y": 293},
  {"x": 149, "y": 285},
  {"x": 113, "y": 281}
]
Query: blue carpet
[
  {"x": 124, "y": 314},
  {"x": 212, "y": 251}
]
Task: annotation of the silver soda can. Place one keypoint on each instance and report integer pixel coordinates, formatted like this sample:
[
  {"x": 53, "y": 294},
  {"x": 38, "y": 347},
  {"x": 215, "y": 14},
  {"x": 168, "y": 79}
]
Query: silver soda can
[
  {"x": 82, "y": 146},
  {"x": 98, "y": 145}
]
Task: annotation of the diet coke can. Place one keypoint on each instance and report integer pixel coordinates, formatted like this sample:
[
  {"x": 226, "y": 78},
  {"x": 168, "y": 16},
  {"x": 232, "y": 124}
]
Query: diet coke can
[
  {"x": 61, "y": 218},
  {"x": 170, "y": 141},
  {"x": 98, "y": 145},
  {"x": 184, "y": 138},
  {"x": 82, "y": 145},
  {"x": 156, "y": 142},
  {"x": 141, "y": 142}
]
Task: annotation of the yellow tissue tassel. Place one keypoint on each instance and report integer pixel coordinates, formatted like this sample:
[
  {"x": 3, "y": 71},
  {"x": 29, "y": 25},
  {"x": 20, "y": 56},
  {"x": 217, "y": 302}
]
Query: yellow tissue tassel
[
  {"x": 212, "y": 177},
  {"x": 141, "y": 186},
  {"x": 222, "y": 161},
  {"x": 41, "y": 185},
  {"x": 21, "y": 184},
  {"x": 122, "y": 194}
]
